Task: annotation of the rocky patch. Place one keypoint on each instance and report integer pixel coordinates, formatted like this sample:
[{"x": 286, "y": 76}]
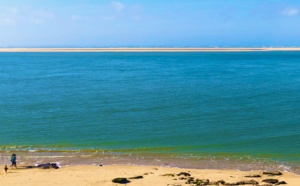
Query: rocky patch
[
  {"x": 206, "y": 182},
  {"x": 248, "y": 182}
]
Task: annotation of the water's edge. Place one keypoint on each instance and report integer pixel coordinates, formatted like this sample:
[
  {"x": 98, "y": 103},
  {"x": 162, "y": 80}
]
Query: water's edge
[{"x": 103, "y": 157}]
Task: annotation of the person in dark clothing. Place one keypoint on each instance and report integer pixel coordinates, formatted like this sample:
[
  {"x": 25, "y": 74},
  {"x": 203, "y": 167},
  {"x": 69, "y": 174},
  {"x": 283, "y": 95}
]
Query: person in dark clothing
[
  {"x": 5, "y": 168},
  {"x": 14, "y": 160}
]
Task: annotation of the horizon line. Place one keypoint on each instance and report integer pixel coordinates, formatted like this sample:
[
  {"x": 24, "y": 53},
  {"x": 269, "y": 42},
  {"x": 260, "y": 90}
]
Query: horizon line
[{"x": 148, "y": 49}]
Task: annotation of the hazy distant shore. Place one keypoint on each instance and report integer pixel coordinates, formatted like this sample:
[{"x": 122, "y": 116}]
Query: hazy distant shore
[{"x": 144, "y": 49}]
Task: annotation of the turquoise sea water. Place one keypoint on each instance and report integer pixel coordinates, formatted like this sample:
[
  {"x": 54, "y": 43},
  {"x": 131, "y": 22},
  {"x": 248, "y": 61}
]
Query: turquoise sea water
[{"x": 226, "y": 105}]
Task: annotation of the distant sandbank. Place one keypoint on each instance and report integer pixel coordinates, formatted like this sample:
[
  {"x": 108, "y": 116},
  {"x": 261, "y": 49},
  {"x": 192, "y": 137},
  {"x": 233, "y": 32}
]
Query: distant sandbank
[
  {"x": 145, "y": 49},
  {"x": 140, "y": 176}
]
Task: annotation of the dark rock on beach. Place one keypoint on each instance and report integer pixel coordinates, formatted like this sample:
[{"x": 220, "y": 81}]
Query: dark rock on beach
[
  {"x": 272, "y": 181},
  {"x": 190, "y": 180},
  {"x": 54, "y": 165},
  {"x": 184, "y": 174},
  {"x": 248, "y": 182},
  {"x": 272, "y": 173},
  {"x": 281, "y": 183},
  {"x": 120, "y": 180},
  {"x": 203, "y": 181},
  {"x": 48, "y": 166},
  {"x": 199, "y": 182},
  {"x": 231, "y": 184},
  {"x": 172, "y": 175},
  {"x": 253, "y": 176}
]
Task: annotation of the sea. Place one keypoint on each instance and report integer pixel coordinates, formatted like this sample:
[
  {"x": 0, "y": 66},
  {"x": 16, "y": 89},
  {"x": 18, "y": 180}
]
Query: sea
[{"x": 209, "y": 110}]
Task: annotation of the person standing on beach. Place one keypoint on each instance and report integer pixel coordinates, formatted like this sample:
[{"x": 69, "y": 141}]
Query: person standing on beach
[
  {"x": 5, "y": 168},
  {"x": 13, "y": 160}
]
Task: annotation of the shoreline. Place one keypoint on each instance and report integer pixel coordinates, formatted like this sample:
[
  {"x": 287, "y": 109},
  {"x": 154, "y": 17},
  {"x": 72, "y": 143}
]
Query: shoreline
[
  {"x": 145, "y": 175},
  {"x": 265, "y": 49},
  {"x": 243, "y": 163}
]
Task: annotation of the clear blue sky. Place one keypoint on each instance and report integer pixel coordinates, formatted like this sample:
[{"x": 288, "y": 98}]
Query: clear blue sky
[{"x": 105, "y": 23}]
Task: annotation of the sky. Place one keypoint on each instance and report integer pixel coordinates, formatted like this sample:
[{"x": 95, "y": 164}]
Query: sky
[{"x": 149, "y": 23}]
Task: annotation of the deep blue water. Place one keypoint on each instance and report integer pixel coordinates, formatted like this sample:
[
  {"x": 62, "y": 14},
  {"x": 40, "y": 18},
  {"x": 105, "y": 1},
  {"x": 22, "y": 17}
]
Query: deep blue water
[{"x": 216, "y": 103}]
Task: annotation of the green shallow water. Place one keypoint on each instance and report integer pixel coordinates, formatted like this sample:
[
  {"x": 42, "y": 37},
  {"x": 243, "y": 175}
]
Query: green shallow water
[{"x": 234, "y": 104}]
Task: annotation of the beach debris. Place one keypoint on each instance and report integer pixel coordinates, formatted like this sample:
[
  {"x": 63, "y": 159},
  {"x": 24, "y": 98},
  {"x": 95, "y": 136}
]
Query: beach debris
[
  {"x": 272, "y": 181},
  {"x": 253, "y": 176},
  {"x": 100, "y": 165},
  {"x": 120, "y": 180},
  {"x": 136, "y": 177},
  {"x": 48, "y": 166},
  {"x": 272, "y": 173},
  {"x": 184, "y": 174},
  {"x": 248, "y": 182},
  {"x": 281, "y": 183}
]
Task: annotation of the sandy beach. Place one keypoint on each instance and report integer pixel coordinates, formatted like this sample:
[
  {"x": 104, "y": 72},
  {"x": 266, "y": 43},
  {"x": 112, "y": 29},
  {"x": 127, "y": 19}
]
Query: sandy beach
[
  {"x": 149, "y": 175},
  {"x": 150, "y": 93},
  {"x": 144, "y": 49}
]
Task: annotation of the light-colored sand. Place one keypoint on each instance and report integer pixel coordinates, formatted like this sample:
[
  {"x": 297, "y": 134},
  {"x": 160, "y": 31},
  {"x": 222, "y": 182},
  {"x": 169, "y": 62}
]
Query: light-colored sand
[
  {"x": 144, "y": 49},
  {"x": 152, "y": 176}
]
